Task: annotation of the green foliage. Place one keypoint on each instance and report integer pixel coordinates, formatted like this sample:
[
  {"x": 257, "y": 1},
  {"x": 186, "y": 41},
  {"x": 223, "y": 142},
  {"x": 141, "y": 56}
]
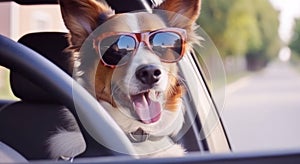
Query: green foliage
[
  {"x": 295, "y": 43},
  {"x": 241, "y": 27},
  {"x": 268, "y": 24},
  {"x": 213, "y": 19}
]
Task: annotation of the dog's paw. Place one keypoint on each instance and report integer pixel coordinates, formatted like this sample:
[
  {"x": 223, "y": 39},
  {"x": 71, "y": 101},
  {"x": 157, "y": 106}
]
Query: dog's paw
[
  {"x": 174, "y": 151},
  {"x": 66, "y": 144}
]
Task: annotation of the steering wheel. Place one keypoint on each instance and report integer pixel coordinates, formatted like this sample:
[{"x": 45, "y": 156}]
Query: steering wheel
[{"x": 95, "y": 123}]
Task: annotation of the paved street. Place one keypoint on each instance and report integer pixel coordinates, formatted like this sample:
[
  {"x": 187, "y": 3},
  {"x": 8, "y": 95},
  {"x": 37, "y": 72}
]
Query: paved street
[{"x": 262, "y": 111}]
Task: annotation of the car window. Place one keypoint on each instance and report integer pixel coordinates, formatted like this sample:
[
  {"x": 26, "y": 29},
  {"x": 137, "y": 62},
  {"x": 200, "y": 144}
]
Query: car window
[
  {"x": 259, "y": 46},
  {"x": 38, "y": 18},
  {"x": 5, "y": 91},
  {"x": 18, "y": 20}
]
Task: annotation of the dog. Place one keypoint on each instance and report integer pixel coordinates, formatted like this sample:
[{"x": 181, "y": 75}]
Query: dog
[{"x": 128, "y": 62}]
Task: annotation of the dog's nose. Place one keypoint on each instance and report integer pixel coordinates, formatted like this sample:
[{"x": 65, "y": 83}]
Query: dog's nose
[{"x": 148, "y": 74}]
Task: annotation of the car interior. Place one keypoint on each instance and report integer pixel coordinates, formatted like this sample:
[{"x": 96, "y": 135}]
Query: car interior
[
  {"x": 41, "y": 79},
  {"x": 26, "y": 125}
]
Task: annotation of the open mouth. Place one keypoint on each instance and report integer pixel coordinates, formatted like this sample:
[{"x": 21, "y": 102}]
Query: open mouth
[{"x": 147, "y": 106}]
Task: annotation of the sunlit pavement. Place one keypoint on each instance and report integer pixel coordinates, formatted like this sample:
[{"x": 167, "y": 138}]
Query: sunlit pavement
[{"x": 262, "y": 111}]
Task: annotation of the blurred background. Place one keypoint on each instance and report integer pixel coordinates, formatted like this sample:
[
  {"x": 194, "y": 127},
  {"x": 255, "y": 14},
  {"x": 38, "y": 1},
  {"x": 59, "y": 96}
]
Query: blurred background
[
  {"x": 259, "y": 43},
  {"x": 251, "y": 34},
  {"x": 17, "y": 20}
]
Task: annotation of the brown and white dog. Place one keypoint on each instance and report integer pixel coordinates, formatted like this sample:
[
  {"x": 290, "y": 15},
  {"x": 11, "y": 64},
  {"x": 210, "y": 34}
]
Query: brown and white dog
[{"x": 128, "y": 61}]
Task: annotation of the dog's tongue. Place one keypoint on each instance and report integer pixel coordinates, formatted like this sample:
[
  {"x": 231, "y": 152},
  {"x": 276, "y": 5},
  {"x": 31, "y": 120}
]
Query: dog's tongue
[{"x": 146, "y": 108}]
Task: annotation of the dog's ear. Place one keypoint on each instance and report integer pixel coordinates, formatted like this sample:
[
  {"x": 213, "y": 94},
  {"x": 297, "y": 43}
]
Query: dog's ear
[
  {"x": 81, "y": 17},
  {"x": 188, "y": 8}
]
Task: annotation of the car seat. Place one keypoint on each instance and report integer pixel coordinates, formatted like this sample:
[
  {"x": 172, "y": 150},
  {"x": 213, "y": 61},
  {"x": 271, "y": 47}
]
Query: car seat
[{"x": 27, "y": 124}]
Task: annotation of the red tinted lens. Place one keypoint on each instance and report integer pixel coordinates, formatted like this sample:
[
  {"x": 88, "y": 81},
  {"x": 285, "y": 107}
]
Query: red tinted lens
[
  {"x": 167, "y": 45},
  {"x": 116, "y": 49}
]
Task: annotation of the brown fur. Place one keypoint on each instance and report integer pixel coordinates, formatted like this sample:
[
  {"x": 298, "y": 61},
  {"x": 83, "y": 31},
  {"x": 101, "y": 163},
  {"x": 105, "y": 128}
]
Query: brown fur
[
  {"x": 188, "y": 8},
  {"x": 82, "y": 17},
  {"x": 79, "y": 12},
  {"x": 174, "y": 97}
]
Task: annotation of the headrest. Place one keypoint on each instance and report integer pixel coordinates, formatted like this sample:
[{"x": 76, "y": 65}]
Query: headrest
[{"x": 51, "y": 45}]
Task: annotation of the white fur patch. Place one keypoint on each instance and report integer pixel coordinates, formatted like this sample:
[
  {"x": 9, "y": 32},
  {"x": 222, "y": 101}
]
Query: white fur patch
[
  {"x": 132, "y": 22},
  {"x": 169, "y": 124},
  {"x": 66, "y": 144},
  {"x": 161, "y": 148},
  {"x": 157, "y": 2},
  {"x": 70, "y": 143},
  {"x": 174, "y": 151}
]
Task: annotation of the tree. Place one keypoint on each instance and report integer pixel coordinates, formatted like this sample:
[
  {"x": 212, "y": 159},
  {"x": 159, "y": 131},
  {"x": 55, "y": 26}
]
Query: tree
[
  {"x": 295, "y": 43},
  {"x": 213, "y": 20},
  {"x": 268, "y": 24},
  {"x": 242, "y": 27}
]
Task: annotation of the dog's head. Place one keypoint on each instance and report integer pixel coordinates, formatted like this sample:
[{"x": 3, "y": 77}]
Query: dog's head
[{"x": 132, "y": 58}]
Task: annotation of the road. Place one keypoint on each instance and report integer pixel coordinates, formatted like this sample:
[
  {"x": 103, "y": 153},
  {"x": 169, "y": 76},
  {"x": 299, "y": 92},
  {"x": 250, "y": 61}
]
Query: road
[{"x": 262, "y": 111}]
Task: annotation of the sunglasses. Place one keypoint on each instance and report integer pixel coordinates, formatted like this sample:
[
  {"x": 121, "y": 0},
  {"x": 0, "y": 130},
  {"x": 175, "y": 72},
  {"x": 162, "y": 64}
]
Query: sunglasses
[{"x": 116, "y": 49}]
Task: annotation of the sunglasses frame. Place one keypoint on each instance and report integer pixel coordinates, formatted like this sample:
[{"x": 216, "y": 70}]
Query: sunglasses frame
[{"x": 142, "y": 37}]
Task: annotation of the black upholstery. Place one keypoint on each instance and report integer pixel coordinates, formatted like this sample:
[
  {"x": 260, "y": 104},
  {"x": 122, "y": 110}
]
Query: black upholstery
[
  {"x": 129, "y": 7},
  {"x": 26, "y": 125},
  {"x": 3, "y": 103},
  {"x": 51, "y": 45}
]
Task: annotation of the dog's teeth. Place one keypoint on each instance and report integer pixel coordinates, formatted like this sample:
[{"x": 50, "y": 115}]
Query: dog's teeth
[{"x": 152, "y": 96}]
